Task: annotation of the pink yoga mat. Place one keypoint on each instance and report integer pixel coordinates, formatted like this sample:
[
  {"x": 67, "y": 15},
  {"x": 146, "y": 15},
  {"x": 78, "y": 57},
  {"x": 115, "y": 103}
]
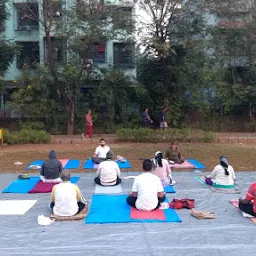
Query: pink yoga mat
[
  {"x": 42, "y": 187},
  {"x": 64, "y": 162},
  {"x": 234, "y": 202},
  {"x": 184, "y": 165},
  {"x": 147, "y": 215}
]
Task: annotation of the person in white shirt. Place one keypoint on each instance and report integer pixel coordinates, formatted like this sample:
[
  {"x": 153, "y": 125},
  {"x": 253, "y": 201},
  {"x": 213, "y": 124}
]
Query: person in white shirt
[
  {"x": 222, "y": 174},
  {"x": 100, "y": 152},
  {"x": 108, "y": 173},
  {"x": 147, "y": 190},
  {"x": 66, "y": 198}
]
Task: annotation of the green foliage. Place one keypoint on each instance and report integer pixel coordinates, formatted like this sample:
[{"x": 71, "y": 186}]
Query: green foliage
[
  {"x": 208, "y": 136},
  {"x": 7, "y": 52},
  {"x": 250, "y": 127},
  {"x": 26, "y": 136},
  {"x": 112, "y": 97},
  {"x": 32, "y": 125},
  {"x": 33, "y": 98},
  {"x": 169, "y": 135}
]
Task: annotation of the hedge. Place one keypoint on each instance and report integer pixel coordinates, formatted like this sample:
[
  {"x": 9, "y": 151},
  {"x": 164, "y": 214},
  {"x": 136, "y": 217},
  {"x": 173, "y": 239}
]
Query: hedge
[{"x": 171, "y": 134}]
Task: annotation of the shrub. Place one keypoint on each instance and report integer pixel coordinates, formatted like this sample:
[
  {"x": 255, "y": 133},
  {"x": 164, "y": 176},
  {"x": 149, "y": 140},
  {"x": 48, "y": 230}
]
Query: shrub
[
  {"x": 208, "y": 136},
  {"x": 26, "y": 136},
  {"x": 173, "y": 134},
  {"x": 32, "y": 125},
  {"x": 250, "y": 127}
]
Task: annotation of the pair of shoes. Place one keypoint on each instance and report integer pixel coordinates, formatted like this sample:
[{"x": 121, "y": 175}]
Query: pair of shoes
[{"x": 173, "y": 182}]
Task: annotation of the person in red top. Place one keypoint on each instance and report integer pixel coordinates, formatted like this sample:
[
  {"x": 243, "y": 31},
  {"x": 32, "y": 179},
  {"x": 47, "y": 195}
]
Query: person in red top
[
  {"x": 88, "y": 124},
  {"x": 248, "y": 204}
]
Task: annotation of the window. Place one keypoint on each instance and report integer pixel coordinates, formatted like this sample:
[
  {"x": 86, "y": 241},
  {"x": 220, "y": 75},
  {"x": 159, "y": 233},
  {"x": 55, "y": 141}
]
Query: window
[
  {"x": 27, "y": 16},
  {"x": 97, "y": 52},
  {"x": 58, "y": 49},
  {"x": 122, "y": 17},
  {"x": 29, "y": 54},
  {"x": 123, "y": 55}
]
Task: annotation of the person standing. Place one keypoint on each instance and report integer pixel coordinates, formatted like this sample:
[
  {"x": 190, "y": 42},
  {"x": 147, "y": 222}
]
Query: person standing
[
  {"x": 88, "y": 124},
  {"x": 163, "y": 123},
  {"x": 146, "y": 118}
]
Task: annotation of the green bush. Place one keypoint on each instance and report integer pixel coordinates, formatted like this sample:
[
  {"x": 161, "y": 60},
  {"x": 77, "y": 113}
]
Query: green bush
[
  {"x": 32, "y": 125},
  {"x": 173, "y": 134},
  {"x": 208, "y": 136},
  {"x": 250, "y": 127},
  {"x": 26, "y": 136}
]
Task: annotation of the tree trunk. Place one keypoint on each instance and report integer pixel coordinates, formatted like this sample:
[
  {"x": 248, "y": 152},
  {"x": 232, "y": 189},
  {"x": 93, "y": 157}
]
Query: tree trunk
[
  {"x": 251, "y": 115},
  {"x": 71, "y": 114}
]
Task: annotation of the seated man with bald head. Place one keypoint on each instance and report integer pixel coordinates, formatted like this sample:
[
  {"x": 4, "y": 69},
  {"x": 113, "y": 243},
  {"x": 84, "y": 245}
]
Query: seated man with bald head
[{"x": 66, "y": 198}]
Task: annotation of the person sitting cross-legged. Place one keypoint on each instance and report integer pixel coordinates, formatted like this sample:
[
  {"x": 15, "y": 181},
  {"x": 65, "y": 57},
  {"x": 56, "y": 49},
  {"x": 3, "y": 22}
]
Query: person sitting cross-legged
[
  {"x": 147, "y": 190},
  {"x": 66, "y": 198},
  {"x": 51, "y": 169},
  {"x": 100, "y": 152},
  {"x": 223, "y": 174},
  {"x": 248, "y": 205},
  {"x": 108, "y": 173},
  {"x": 161, "y": 168}
]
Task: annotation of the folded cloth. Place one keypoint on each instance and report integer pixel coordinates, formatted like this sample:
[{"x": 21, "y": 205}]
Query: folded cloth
[
  {"x": 121, "y": 159},
  {"x": 202, "y": 215}
]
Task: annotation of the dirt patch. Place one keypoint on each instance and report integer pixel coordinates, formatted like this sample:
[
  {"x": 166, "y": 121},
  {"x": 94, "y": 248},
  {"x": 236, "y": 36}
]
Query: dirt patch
[{"x": 241, "y": 156}]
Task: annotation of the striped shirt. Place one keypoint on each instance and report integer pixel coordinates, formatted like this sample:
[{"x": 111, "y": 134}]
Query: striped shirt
[{"x": 251, "y": 195}]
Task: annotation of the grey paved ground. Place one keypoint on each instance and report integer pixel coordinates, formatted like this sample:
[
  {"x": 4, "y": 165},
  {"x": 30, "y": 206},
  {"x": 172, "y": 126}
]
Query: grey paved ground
[{"x": 229, "y": 234}]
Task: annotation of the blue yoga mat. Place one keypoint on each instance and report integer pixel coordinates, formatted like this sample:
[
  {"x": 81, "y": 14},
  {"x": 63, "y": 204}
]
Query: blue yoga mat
[
  {"x": 24, "y": 186},
  {"x": 74, "y": 179},
  {"x": 196, "y": 163},
  {"x": 36, "y": 162},
  {"x": 114, "y": 209},
  {"x": 21, "y": 186},
  {"x": 89, "y": 164},
  {"x": 126, "y": 164},
  {"x": 169, "y": 189},
  {"x": 72, "y": 164}
]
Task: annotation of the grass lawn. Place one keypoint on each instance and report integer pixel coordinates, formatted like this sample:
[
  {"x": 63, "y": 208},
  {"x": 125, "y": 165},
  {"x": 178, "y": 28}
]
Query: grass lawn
[{"x": 241, "y": 156}]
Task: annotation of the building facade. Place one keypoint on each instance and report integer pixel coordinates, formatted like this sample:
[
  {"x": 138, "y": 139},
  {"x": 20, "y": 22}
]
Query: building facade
[{"x": 28, "y": 33}]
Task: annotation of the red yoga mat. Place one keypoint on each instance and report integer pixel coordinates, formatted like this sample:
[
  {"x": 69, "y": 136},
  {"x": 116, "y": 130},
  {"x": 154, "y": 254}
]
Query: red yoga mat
[
  {"x": 147, "y": 215},
  {"x": 42, "y": 187}
]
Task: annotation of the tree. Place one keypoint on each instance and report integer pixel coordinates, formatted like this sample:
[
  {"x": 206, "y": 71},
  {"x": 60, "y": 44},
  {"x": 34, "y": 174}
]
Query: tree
[
  {"x": 112, "y": 96},
  {"x": 233, "y": 43},
  {"x": 78, "y": 29},
  {"x": 171, "y": 33},
  {"x": 7, "y": 49},
  {"x": 32, "y": 98}
]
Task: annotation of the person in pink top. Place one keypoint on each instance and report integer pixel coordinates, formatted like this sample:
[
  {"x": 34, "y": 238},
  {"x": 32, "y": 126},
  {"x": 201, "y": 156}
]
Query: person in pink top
[
  {"x": 161, "y": 168},
  {"x": 88, "y": 124}
]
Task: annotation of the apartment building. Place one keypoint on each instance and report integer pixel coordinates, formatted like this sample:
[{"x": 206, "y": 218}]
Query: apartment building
[{"x": 28, "y": 33}]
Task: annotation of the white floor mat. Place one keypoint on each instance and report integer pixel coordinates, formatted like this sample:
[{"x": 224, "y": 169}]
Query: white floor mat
[
  {"x": 15, "y": 207},
  {"x": 108, "y": 190}
]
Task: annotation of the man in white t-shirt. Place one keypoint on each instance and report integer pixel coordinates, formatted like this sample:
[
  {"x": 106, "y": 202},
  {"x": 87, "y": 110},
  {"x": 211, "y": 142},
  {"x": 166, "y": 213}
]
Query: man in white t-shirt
[
  {"x": 147, "y": 190},
  {"x": 100, "y": 152},
  {"x": 108, "y": 173},
  {"x": 66, "y": 198}
]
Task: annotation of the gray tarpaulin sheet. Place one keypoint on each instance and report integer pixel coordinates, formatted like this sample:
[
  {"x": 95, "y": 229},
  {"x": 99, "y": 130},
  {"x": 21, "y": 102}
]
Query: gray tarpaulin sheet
[{"x": 229, "y": 234}]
